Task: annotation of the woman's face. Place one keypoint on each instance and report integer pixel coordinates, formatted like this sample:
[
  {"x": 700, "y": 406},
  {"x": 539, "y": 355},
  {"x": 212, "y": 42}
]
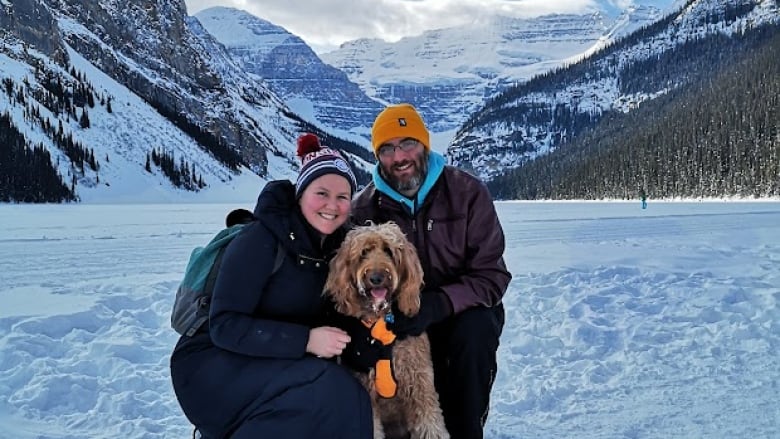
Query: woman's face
[{"x": 326, "y": 203}]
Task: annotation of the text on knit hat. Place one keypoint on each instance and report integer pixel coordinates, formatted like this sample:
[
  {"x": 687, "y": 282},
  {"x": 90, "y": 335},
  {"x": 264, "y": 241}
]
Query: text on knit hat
[{"x": 317, "y": 161}]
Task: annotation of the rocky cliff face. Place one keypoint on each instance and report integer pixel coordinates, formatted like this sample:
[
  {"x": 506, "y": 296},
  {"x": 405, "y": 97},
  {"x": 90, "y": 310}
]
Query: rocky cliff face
[
  {"x": 291, "y": 69},
  {"x": 154, "y": 49},
  {"x": 31, "y": 22}
]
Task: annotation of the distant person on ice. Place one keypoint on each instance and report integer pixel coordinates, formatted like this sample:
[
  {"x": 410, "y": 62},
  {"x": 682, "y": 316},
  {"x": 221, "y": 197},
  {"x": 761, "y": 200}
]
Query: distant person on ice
[
  {"x": 449, "y": 216},
  {"x": 263, "y": 367}
]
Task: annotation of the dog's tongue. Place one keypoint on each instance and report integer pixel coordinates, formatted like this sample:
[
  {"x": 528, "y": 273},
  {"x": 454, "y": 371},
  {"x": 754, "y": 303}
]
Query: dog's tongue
[{"x": 378, "y": 293}]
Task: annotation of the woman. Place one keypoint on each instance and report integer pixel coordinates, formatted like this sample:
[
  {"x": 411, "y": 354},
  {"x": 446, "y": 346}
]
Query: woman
[{"x": 263, "y": 366}]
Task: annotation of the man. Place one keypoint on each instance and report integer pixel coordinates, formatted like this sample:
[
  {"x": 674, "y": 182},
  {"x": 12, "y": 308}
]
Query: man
[{"x": 449, "y": 216}]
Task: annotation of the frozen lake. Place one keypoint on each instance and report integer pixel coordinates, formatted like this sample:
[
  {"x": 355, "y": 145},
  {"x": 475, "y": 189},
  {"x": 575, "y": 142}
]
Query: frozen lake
[{"x": 621, "y": 322}]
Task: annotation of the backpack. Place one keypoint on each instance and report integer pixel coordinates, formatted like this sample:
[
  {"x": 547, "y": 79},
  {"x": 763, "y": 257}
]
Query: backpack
[{"x": 193, "y": 296}]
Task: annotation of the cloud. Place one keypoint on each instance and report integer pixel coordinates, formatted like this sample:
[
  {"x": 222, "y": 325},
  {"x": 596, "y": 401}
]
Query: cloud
[{"x": 328, "y": 23}]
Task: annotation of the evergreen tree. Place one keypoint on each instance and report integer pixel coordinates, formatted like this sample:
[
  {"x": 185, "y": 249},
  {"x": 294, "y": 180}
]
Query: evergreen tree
[
  {"x": 84, "y": 120},
  {"x": 26, "y": 172}
]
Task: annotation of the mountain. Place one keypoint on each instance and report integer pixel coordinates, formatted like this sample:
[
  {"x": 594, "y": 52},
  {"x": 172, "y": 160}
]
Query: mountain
[
  {"x": 292, "y": 70},
  {"x": 145, "y": 97},
  {"x": 630, "y": 116},
  {"x": 448, "y": 79},
  {"x": 713, "y": 138},
  {"x": 616, "y": 8}
]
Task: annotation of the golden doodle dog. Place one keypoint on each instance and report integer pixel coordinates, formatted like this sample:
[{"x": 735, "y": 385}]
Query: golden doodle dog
[{"x": 375, "y": 266}]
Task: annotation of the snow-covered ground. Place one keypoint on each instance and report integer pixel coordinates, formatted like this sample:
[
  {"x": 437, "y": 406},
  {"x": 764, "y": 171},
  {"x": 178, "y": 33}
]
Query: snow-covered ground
[{"x": 621, "y": 322}]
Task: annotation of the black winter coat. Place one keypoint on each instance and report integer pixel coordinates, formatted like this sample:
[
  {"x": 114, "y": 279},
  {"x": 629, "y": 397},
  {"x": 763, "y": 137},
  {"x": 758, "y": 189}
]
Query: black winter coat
[{"x": 249, "y": 374}]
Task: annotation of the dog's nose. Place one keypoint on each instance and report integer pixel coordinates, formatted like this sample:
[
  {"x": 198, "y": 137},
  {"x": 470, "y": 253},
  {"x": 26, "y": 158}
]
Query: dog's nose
[{"x": 376, "y": 278}]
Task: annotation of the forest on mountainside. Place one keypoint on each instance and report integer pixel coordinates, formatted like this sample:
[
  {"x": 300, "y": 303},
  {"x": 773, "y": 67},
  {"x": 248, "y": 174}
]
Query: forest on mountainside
[
  {"x": 716, "y": 136},
  {"x": 19, "y": 161}
]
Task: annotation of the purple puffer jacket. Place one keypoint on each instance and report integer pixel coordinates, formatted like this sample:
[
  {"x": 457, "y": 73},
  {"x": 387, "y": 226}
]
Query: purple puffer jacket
[{"x": 457, "y": 235}]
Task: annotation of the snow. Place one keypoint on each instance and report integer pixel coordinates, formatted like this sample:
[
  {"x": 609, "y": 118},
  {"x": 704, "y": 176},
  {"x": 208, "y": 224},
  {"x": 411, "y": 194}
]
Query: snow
[
  {"x": 221, "y": 22},
  {"x": 621, "y": 322}
]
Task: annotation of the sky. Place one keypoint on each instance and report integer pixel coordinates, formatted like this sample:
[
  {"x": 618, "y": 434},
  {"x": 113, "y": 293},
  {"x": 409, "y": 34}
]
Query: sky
[
  {"x": 621, "y": 322},
  {"x": 325, "y": 24}
]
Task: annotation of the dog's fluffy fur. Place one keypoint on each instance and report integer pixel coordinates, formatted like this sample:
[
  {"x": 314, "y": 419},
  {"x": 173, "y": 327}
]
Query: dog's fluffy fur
[{"x": 375, "y": 266}]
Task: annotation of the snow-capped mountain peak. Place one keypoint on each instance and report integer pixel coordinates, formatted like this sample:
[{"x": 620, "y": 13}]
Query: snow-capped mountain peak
[
  {"x": 447, "y": 79},
  {"x": 292, "y": 70}
]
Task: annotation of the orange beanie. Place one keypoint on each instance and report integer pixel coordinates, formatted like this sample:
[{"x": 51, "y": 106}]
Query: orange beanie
[{"x": 401, "y": 120}]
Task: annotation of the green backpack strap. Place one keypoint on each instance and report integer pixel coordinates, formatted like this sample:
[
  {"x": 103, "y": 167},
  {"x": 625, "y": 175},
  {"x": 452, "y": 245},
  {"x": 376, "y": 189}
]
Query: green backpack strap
[
  {"x": 187, "y": 315},
  {"x": 205, "y": 301}
]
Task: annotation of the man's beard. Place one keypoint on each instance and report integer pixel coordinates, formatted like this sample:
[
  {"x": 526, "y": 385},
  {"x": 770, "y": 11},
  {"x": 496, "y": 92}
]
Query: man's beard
[{"x": 411, "y": 186}]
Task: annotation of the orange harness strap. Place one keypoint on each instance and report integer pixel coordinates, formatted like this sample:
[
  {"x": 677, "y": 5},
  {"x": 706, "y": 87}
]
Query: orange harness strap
[{"x": 384, "y": 382}]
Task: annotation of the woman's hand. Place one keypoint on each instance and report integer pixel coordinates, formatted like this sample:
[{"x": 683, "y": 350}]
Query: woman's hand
[{"x": 327, "y": 341}]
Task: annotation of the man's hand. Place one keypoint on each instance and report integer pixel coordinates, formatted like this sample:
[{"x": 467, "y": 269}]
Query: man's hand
[
  {"x": 435, "y": 306},
  {"x": 363, "y": 352}
]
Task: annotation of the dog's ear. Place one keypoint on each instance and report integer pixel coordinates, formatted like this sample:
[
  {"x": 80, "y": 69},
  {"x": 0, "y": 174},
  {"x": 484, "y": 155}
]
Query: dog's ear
[
  {"x": 340, "y": 285},
  {"x": 411, "y": 279}
]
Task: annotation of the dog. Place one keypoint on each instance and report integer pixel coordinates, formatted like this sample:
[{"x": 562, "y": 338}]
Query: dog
[{"x": 375, "y": 266}]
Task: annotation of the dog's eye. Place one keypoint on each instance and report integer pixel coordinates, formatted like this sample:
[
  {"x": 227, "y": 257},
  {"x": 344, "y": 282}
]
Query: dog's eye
[{"x": 389, "y": 252}]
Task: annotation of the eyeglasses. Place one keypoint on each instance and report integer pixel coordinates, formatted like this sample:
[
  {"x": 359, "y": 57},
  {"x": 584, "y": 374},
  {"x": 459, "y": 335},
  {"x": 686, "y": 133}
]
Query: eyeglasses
[{"x": 406, "y": 145}]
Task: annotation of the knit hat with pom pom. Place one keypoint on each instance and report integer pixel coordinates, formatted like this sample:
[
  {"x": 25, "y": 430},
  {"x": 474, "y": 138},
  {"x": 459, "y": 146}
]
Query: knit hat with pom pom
[{"x": 317, "y": 161}]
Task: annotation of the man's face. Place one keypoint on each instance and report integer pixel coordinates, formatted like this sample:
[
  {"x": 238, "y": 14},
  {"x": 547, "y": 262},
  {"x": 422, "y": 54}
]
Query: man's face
[{"x": 403, "y": 164}]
